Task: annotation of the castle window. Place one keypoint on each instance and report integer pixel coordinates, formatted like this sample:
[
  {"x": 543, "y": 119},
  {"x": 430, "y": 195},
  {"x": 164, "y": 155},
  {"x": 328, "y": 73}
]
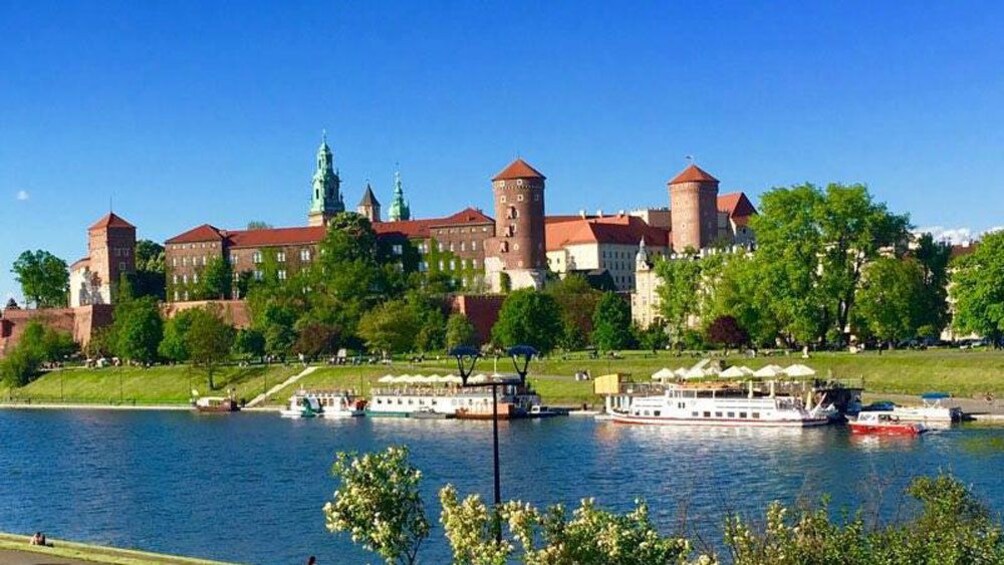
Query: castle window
[
  {"x": 174, "y": 279},
  {"x": 504, "y": 247},
  {"x": 203, "y": 260},
  {"x": 280, "y": 256},
  {"x": 195, "y": 278},
  {"x": 474, "y": 245},
  {"x": 397, "y": 249},
  {"x": 453, "y": 265},
  {"x": 502, "y": 199},
  {"x": 282, "y": 274},
  {"x": 519, "y": 197},
  {"x": 305, "y": 255},
  {"x": 536, "y": 197},
  {"x": 463, "y": 264},
  {"x": 122, "y": 266},
  {"x": 258, "y": 275},
  {"x": 463, "y": 246},
  {"x": 519, "y": 182},
  {"x": 186, "y": 296},
  {"x": 440, "y": 246},
  {"x": 174, "y": 261},
  {"x": 441, "y": 264},
  {"x": 118, "y": 252},
  {"x": 474, "y": 263},
  {"x": 256, "y": 258},
  {"x": 451, "y": 247},
  {"x": 184, "y": 261},
  {"x": 184, "y": 279},
  {"x": 176, "y": 296}
]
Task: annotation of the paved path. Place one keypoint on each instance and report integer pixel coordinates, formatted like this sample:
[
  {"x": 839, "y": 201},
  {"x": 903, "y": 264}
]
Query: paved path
[{"x": 261, "y": 397}]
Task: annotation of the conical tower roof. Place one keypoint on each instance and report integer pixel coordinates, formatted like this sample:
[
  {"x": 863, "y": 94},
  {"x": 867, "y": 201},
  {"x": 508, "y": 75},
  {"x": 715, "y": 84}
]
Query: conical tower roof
[
  {"x": 519, "y": 169},
  {"x": 369, "y": 199},
  {"x": 693, "y": 173}
]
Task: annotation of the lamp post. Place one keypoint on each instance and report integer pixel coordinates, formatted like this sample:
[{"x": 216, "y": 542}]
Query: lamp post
[{"x": 467, "y": 357}]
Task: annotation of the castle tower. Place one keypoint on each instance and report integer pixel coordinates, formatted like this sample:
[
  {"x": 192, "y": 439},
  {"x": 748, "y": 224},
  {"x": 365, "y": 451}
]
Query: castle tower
[
  {"x": 518, "y": 246},
  {"x": 111, "y": 247},
  {"x": 369, "y": 206},
  {"x": 641, "y": 262},
  {"x": 693, "y": 199},
  {"x": 326, "y": 198},
  {"x": 399, "y": 208}
]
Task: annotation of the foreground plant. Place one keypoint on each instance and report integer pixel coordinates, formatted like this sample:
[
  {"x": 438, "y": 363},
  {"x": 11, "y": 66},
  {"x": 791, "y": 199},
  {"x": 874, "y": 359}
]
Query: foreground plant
[{"x": 378, "y": 504}]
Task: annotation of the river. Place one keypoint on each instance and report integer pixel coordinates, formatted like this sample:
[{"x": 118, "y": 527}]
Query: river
[{"x": 250, "y": 487}]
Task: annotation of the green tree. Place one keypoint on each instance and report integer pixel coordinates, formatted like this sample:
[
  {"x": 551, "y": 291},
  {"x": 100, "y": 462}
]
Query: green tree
[
  {"x": 612, "y": 323},
  {"x": 209, "y": 340},
  {"x": 149, "y": 278},
  {"x": 174, "y": 345},
  {"x": 577, "y": 301},
  {"x": 258, "y": 225},
  {"x": 427, "y": 309},
  {"x": 390, "y": 327},
  {"x": 812, "y": 247},
  {"x": 216, "y": 280},
  {"x": 38, "y": 344},
  {"x": 315, "y": 339},
  {"x": 379, "y": 503},
  {"x": 43, "y": 277},
  {"x": 459, "y": 331},
  {"x": 977, "y": 289},
  {"x": 138, "y": 329},
  {"x": 654, "y": 337},
  {"x": 679, "y": 293},
  {"x": 250, "y": 343},
  {"x": 528, "y": 317},
  {"x": 740, "y": 292},
  {"x": 891, "y": 300},
  {"x": 934, "y": 258}
]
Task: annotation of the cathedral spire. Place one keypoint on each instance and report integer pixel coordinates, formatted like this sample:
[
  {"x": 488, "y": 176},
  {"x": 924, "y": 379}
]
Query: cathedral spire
[
  {"x": 399, "y": 208},
  {"x": 326, "y": 197}
]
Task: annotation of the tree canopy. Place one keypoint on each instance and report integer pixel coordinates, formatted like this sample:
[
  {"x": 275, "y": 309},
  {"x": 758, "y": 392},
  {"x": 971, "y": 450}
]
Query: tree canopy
[
  {"x": 44, "y": 278},
  {"x": 612, "y": 323},
  {"x": 978, "y": 289},
  {"x": 528, "y": 317}
]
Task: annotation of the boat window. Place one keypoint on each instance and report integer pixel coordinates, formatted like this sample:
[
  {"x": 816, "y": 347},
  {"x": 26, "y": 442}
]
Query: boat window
[
  {"x": 693, "y": 414},
  {"x": 707, "y": 414},
  {"x": 732, "y": 414},
  {"x": 756, "y": 415},
  {"x": 718, "y": 414},
  {"x": 656, "y": 412},
  {"x": 742, "y": 414}
]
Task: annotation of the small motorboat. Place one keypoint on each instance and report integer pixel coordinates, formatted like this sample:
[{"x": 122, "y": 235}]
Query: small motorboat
[
  {"x": 212, "y": 404},
  {"x": 884, "y": 423},
  {"x": 541, "y": 411}
]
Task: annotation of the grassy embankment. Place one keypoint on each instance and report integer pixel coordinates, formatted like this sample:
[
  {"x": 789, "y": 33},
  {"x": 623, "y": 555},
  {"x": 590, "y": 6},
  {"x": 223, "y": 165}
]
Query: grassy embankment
[
  {"x": 156, "y": 385},
  {"x": 962, "y": 373},
  {"x": 93, "y": 553}
]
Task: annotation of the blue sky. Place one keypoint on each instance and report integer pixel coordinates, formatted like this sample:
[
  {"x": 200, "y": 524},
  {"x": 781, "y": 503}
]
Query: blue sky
[{"x": 192, "y": 112}]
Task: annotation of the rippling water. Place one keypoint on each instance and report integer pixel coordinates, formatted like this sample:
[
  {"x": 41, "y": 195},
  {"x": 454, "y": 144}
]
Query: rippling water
[{"x": 250, "y": 487}]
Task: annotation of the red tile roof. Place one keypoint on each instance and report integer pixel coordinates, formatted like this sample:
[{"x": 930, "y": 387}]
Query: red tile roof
[
  {"x": 110, "y": 220},
  {"x": 205, "y": 232},
  {"x": 421, "y": 228},
  {"x": 693, "y": 173},
  {"x": 620, "y": 230},
  {"x": 519, "y": 169},
  {"x": 736, "y": 205},
  {"x": 80, "y": 263},
  {"x": 276, "y": 236}
]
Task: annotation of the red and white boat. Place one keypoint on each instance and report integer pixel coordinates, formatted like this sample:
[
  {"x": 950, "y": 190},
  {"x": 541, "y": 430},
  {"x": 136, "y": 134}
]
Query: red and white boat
[{"x": 884, "y": 423}]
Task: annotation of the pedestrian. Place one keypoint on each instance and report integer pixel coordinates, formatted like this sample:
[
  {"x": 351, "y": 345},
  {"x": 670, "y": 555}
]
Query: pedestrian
[{"x": 311, "y": 561}]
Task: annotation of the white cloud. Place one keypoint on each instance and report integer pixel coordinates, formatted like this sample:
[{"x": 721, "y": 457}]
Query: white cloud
[
  {"x": 22, "y": 195},
  {"x": 956, "y": 236}
]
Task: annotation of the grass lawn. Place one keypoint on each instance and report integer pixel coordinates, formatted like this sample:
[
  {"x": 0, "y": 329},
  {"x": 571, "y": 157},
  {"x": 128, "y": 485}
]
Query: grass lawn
[
  {"x": 62, "y": 549},
  {"x": 156, "y": 385},
  {"x": 962, "y": 373}
]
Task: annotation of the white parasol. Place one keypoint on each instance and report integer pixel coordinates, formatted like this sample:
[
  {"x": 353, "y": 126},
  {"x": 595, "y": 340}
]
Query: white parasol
[
  {"x": 799, "y": 370},
  {"x": 770, "y": 372},
  {"x": 663, "y": 374}
]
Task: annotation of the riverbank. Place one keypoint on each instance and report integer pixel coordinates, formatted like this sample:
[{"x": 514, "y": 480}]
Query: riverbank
[
  {"x": 964, "y": 374},
  {"x": 15, "y": 550}
]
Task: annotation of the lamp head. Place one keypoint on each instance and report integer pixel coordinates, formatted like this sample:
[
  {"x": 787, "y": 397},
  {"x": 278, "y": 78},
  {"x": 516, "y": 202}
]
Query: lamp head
[
  {"x": 521, "y": 357},
  {"x": 466, "y": 357}
]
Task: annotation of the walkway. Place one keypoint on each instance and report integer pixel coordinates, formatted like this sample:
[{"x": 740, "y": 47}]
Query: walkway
[{"x": 262, "y": 397}]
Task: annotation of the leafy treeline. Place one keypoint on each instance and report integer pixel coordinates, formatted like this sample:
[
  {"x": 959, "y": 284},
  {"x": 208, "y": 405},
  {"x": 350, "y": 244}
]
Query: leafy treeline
[
  {"x": 829, "y": 263},
  {"x": 39, "y": 344},
  {"x": 379, "y": 503}
]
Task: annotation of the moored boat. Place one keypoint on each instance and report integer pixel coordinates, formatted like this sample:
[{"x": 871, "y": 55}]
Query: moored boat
[
  {"x": 514, "y": 401},
  {"x": 328, "y": 404},
  {"x": 932, "y": 409},
  {"x": 301, "y": 405},
  {"x": 884, "y": 423},
  {"x": 211, "y": 404},
  {"x": 721, "y": 405}
]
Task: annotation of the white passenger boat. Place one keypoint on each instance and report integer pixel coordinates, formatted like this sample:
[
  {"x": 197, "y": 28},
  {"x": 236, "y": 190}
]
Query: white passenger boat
[
  {"x": 514, "y": 401},
  {"x": 324, "y": 404},
  {"x": 708, "y": 405},
  {"x": 931, "y": 410}
]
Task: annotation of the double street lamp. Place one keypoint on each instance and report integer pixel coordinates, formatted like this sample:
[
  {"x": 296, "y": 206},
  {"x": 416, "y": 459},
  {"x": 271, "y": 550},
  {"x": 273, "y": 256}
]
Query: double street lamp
[{"x": 467, "y": 357}]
